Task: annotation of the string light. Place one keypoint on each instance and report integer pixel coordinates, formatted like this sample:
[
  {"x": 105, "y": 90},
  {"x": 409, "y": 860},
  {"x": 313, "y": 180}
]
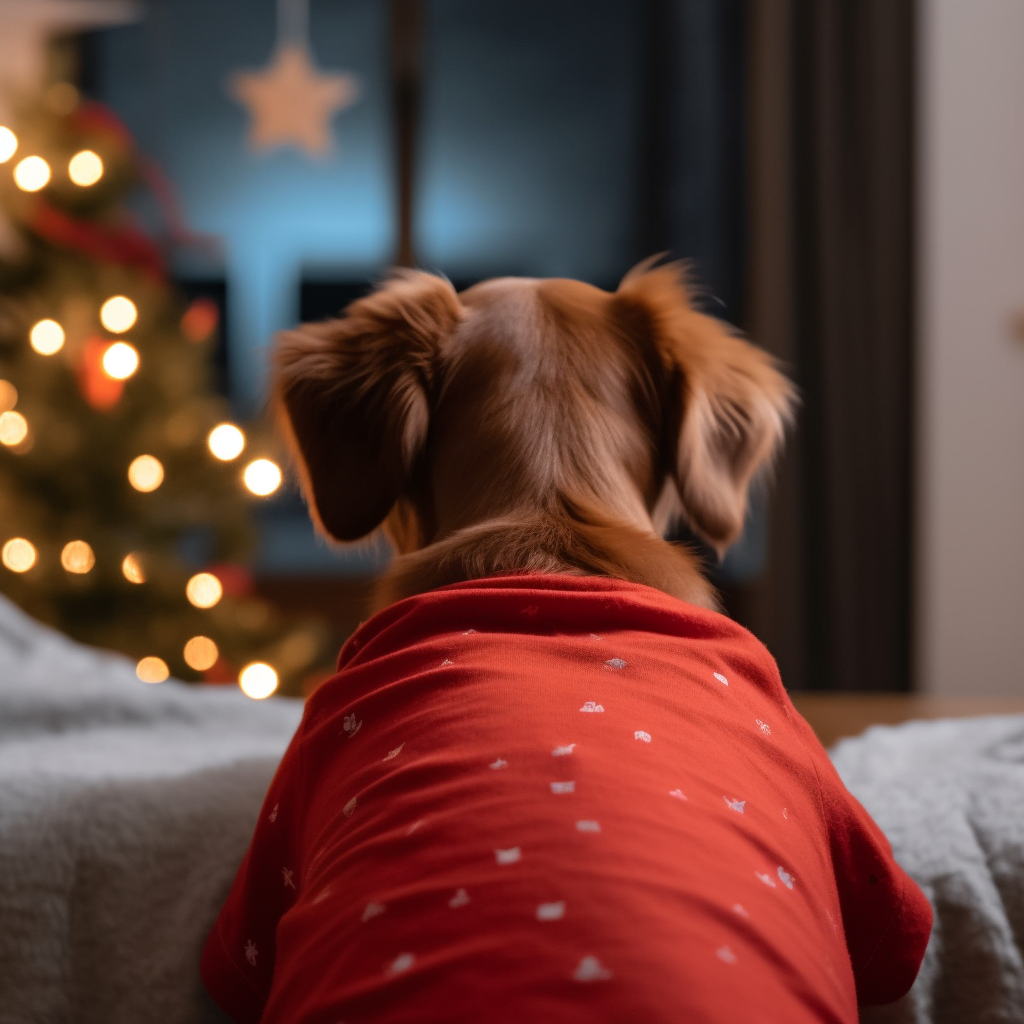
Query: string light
[
  {"x": 77, "y": 557},
  {"x": 226, "y": 441},
  {"x": 132, "y": 569},
  {"x": 8, "y": 144},
  {"x": 201, "y": 653},
  {"x": 8, "y": 396},
  {"x": 13, "y": 428},
  {"x": 145, "y": 473},
  {"x": 118, "y": 314},
  {"x": 262, "y": 477},
  {"x": 257, "y": 680},
  {"x": 85, "y": 168},
  {"x": 120, "y": 360},
  {"x": 200, "y": 319},
  {"x": 19, "y": 555},
  {"x": 204, "y": 590},
  {"x": 152, "y": 670},
  {"x": 46, "y": 337},
  {"x": 31, "y": 174}
]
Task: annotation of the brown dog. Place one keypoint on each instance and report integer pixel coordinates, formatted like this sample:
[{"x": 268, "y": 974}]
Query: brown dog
[
  {"x": 538, "y": 789},
  {"x": 531, "y": 426}
]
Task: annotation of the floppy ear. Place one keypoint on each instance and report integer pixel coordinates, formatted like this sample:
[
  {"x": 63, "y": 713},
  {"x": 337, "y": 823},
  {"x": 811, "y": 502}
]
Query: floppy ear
[
  {"x": 726, "y": 406},
  {"x": 353, "y": 394}
]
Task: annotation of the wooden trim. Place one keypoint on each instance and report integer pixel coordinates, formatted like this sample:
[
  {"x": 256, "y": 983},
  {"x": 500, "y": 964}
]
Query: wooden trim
[{"x": 836, "y": 715}]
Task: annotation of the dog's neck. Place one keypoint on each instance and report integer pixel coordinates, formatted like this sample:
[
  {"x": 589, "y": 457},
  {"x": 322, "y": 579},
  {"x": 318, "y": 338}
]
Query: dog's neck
[{"x": 521, "y": 543}]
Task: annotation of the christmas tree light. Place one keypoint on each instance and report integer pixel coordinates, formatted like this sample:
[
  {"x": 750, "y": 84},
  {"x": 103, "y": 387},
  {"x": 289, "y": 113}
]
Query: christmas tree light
[
  {"x": 46, "y": 337},
  {"x": 152, "y": 670},
  {"x": 8, "y": 144},
  {"x": 131, "y": 567},
  {"x": 118, "y": 314},
  {"x": 13, "y": 428},
  {"x": 120, "y": 360},
  {"x": 32, "y": 174},
  {"x": 18, "y": 554},
  {"x": 85, "y": 168},
  {"x": 145, "y": 473},
  {"x": 199, "y": 321},
  {"x": 204, "y": 590},
  {"x": 258, "y": 680},
  {"x": 77, "y": 557},
  {"x": 262, "y": 477},
  {"x": 201, "y": 653},
  {"x": 8, "y": 396},
  {"x": 226, "y": 441}
]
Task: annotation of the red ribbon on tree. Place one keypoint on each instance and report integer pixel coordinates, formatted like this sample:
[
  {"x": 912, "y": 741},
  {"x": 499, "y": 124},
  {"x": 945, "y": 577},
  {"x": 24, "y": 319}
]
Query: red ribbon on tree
[{"x": 124, "y": 244}]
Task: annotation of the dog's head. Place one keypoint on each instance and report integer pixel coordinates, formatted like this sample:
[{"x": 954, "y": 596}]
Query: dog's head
[{"x": 433, "y": 412}]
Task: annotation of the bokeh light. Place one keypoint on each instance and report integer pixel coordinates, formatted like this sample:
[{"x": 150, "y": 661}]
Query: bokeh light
[
  {"x": 226, "y": 441},
  {"x": 8, "y": 144},
  {"x": 32, "y": 174},
  {"x": 120, "y": 360},
  {"x": 262, "y": 477},
  {"x": 13, "y": 428},
  {"x": 46, "y": 337},
  {"x": 132, "y": 569},
  {"x": 8, "y": 395},
  {"x": 258, "y": 680},
  {"x": 200, "y": 319},
  {"x": 152, "y": 670},
  {"x": 77, "y": 557},
  {"x": 145, "y": 473},
  {"x": 204, "y": 590},
  {"x": 19, "y": 555},
  {"x": 85, "y": 168},
  {"x": 201, "y": 653},
  {"x": 118, "y": 314}
]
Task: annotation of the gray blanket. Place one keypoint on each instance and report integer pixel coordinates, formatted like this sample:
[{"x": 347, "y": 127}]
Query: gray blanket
[
  {"x": 125, "y": 809},
  {"x": 950, "y": 797}
]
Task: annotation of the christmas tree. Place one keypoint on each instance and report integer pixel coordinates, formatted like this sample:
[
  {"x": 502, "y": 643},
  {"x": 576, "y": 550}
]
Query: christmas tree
[{"x": 124, "y": 485}]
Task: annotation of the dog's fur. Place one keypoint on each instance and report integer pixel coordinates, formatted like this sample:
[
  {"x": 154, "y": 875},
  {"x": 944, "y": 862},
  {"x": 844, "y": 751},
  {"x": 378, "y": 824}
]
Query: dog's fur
[{"x": 530, "y": 426}]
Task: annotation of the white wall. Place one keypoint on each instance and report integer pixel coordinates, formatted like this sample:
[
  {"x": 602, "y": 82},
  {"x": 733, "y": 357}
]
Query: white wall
[{"x": 970, "y": 420}]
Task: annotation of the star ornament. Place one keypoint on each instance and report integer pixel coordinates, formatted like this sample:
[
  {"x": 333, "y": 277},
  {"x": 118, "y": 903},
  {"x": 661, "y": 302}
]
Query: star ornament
[{"x": 291, "y": 103}]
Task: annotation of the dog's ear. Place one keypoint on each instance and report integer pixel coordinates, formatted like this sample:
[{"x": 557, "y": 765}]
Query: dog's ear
[
  {"x": 353, "y": 395},
  {"x": 725, "y": 405}
]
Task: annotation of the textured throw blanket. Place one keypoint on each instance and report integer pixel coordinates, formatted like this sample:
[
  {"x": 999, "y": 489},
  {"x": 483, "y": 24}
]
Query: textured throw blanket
[
  {"x": 950, "y": 797},
  {"x": 124, "y": 811},
  {"x": 126, "y": 808}
]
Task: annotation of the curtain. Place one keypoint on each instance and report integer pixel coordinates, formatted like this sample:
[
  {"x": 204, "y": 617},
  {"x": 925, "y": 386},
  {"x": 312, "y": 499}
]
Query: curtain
[{"x": 830, "y": 291}]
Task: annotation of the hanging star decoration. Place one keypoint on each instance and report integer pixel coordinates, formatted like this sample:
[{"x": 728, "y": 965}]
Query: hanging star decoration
[{"x": 291, "y": 103}]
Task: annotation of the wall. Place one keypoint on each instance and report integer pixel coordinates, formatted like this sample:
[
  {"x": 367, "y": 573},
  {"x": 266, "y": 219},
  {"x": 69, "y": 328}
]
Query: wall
[{"x": 970, "y": 488}]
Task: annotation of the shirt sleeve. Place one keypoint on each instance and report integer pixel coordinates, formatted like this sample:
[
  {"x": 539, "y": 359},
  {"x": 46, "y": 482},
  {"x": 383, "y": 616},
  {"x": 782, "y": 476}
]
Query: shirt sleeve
[
  {"x": 886, "y": 916},
  {"x": 237, "y": 964}
]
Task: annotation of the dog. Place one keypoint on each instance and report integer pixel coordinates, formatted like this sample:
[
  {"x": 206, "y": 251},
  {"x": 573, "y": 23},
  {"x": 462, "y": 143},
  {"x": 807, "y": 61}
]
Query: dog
[{"x": 550, "y": 781}]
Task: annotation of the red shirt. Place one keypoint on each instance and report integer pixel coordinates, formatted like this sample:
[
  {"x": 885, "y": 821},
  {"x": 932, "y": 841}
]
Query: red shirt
[{"x": 560, "y": 799}]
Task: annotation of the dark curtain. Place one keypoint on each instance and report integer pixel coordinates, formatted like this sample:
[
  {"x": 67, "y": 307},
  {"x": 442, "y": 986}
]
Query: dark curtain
[{"x": 830, "y": 291}]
